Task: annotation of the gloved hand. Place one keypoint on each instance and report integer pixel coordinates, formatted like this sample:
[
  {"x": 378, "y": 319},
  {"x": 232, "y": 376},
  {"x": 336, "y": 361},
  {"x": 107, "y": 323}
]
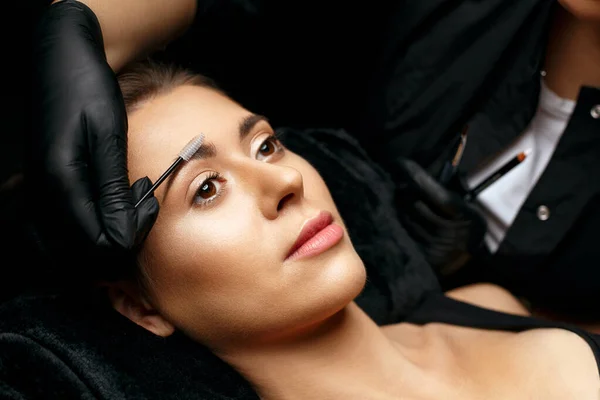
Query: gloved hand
[
  {"x": 448, "y": 229},
  {"x": 76, "y": 171}
]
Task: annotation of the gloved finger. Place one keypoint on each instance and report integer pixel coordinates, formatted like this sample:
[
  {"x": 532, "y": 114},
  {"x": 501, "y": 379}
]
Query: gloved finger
[
  {"x": 140, "y": 187},
  {"x": 109, "y": 162},
  {"x": 427, "y": 187},
  {"x": 62, "y": 162},
  {"x": 446, "y": 239},
  {"x": 147, "y": 211},
  {"x": 416, "y": 230},
  {"x": 433, "y": 222},
  {"x": 438, "y": 253}
]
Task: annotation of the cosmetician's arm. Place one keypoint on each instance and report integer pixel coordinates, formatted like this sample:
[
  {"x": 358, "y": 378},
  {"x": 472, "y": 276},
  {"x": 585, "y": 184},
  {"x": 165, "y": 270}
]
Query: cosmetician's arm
[{"x": 133, "y": 28}]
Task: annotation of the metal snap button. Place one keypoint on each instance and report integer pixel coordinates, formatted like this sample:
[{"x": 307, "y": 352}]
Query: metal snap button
[
  {"x": 543, "y": 213},
  {"x": 595, "y": 111}
]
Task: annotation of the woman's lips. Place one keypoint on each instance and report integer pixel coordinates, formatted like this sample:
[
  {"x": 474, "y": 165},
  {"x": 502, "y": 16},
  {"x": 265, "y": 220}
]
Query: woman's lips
[{"x": 318, "y": 235}]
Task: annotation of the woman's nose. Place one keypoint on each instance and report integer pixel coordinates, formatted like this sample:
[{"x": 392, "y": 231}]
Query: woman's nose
[{"x": 280, "y": 187}]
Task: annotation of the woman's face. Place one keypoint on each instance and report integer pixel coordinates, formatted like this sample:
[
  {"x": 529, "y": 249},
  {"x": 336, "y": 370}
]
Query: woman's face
[{"x": 218, "y": 256}]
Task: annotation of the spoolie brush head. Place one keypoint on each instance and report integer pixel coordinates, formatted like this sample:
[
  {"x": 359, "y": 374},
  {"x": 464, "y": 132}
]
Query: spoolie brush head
[{"x": 192, "y": 147}]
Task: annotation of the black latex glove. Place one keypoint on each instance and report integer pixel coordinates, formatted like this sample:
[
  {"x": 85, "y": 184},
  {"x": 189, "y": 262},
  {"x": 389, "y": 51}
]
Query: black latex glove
[
  {"x": 77, "y": 172},
  {"x": 448, "y": 229}
]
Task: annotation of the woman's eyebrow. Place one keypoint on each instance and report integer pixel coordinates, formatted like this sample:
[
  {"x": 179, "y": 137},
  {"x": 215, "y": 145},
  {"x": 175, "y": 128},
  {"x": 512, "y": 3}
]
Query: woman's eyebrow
[
  {"x": 248, "y": 123},
  {"x": 208, "y": 150}
]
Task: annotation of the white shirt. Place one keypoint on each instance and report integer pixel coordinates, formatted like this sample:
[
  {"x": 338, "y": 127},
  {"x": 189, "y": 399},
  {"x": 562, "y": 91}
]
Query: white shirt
[{"x": 501, "y": 202}]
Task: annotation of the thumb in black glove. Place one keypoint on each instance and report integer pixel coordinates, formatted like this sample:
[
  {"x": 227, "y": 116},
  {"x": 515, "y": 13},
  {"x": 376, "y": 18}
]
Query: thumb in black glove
[
  {"x": 148, "y": 208},
  {"x": 448, "y": 229},
  {"x": 76, "y": 171}
]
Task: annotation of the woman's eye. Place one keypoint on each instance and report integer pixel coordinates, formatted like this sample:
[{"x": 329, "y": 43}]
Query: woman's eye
[
  {"x": 269, "y": 147},
  {"x": 209, "y": 190}
]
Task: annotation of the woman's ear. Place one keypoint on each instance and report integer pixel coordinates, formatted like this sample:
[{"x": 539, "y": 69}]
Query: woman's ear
[{"x": 126, "y": 298}]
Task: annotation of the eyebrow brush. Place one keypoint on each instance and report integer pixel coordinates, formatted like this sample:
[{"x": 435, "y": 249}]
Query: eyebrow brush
[{"x": 184, "y": 155}]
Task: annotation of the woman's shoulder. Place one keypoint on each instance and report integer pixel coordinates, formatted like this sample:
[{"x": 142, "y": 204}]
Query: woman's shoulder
[
  {"x": 560, "y": 360},
  {"x": 548, "y": 363},
  {"x": 545, "y": 363}
]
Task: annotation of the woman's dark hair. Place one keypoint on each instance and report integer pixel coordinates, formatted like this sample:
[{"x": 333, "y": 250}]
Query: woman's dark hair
[{"x": 148, "y": 78}]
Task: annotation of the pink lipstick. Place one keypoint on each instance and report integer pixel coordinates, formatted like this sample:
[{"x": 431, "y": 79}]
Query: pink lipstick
[{"x": 317, "y": 235}]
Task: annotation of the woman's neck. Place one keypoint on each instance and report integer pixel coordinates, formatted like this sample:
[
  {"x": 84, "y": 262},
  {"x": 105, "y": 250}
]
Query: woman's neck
[
  {"x": 573, "y": 55},
  {"x": 343, "y": 357}
]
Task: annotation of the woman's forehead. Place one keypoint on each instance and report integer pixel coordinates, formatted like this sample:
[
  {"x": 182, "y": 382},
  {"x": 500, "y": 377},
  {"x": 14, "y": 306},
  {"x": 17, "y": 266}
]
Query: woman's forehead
[
  {"x": 171, "y": 120},
  {"x": 161, "y": 127}
]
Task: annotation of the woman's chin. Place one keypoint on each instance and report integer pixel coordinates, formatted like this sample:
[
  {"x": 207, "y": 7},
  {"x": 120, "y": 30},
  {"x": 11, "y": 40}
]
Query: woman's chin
[
  {"x": 346, "y": 278},
  {"x": 326, "y": 284}
]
